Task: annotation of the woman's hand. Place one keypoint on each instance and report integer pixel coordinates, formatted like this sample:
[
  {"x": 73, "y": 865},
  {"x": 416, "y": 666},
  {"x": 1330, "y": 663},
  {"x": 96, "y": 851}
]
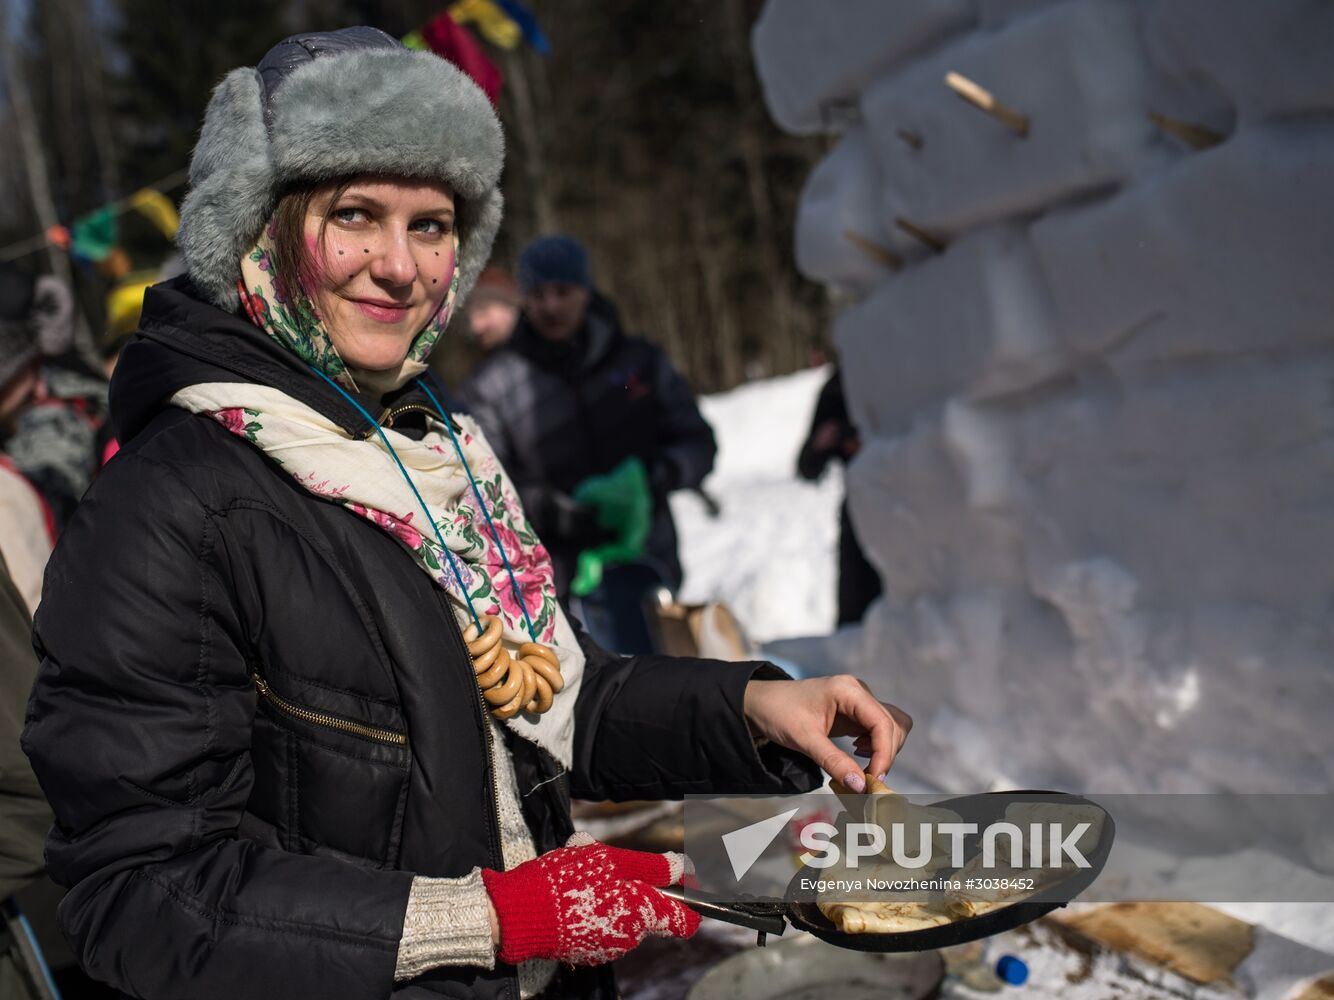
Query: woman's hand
[
  {"x": 803, "y": 715},
  {"x": 586, "y": 903}
]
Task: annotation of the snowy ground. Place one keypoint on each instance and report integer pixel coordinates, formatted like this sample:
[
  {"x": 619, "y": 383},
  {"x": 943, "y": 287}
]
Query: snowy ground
[{"x": 770, "y": 553}]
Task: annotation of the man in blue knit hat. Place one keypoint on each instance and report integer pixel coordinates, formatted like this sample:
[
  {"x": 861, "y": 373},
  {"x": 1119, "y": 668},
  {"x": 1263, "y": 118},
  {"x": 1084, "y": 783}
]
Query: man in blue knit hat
[
  {"x": 579, "y": 413},
  {"x": 557, "y": 285}
]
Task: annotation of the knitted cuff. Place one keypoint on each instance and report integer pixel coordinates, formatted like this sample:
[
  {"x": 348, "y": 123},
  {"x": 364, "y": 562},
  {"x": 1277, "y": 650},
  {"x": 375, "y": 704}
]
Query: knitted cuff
[
  {"x": 526, "y": 912},
  {"x": 447, "y": 923}
]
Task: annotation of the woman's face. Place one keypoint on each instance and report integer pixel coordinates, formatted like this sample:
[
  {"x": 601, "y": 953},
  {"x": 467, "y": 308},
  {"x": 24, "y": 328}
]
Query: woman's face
[{"x": 384, "y": 268}]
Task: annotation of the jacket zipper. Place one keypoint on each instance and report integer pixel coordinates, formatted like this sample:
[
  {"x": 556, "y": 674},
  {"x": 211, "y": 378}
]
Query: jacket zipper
[
  {"x": 493, "y": 830},
  {"x": 392, "y": 413},
  {"x": 328, "y": 721}
]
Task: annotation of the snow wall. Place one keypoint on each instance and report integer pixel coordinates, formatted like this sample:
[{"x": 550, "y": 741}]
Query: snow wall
[{"x": 1090, "y": 347}]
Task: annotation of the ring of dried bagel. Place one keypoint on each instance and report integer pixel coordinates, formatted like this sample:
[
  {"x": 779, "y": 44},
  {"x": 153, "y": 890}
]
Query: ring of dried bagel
[{"x": 528, "y": 682}]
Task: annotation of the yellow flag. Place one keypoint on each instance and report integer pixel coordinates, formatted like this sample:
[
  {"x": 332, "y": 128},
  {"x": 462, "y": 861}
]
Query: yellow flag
[
  {"x": 124, "y": 304},
  {"x": 157, "y": 208},
  {"x": 494, "y": 24}
]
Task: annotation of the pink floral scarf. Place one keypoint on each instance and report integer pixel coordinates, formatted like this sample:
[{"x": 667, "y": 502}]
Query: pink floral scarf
[{"x": 362, "y": 477}]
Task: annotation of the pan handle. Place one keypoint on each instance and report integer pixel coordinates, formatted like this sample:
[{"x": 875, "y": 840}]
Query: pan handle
[{"x": 716, "y": 909}]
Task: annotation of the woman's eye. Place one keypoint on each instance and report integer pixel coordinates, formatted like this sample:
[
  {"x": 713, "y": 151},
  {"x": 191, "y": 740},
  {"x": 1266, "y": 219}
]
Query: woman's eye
[
  {"x": 432, "y": 227},
  {"x": 348, "y": 215}
]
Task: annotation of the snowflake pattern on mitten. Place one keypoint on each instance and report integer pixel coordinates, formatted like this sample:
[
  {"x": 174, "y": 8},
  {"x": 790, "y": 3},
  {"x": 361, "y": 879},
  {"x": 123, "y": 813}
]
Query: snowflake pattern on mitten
[{"x": 587, "y": 903}]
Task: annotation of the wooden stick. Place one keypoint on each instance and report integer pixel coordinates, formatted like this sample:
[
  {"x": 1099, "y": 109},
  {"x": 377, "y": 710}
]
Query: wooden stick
[
  {"x": 1194, "y": 136},
  {"x": 882, "y": 254},
  {"x": 984, "y": 100},
  {"x": 917, "y": 232},
  {"x": 911, "y": 138}
]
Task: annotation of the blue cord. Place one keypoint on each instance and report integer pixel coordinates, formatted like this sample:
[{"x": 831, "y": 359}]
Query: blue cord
[
  {"x": 43, "y": 968},
  {"x": 458, "y": 450},
  {"x": 453, "y": 564}
]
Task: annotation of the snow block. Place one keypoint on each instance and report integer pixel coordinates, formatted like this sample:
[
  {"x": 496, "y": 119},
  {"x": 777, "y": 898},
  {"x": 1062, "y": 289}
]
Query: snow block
[
  {"x": 1178, "y": 474},
  {"x": 1264, "y": 59},
  {"x": 992, "y": 14},
  {"x": 1079, "y": 74},
  {"x": 909, "y": 505},
  {"x": 1209, "y": 481},
  {"x": 812, "y": 57},
  {"x": 973, "y": 320},
  {"x": 839, "y": 214},
  {"x": 1224, "y": 254}
]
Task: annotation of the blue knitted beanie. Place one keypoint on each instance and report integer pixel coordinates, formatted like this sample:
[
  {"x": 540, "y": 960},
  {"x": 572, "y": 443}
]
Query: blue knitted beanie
[{"x": 554, "y": 258}]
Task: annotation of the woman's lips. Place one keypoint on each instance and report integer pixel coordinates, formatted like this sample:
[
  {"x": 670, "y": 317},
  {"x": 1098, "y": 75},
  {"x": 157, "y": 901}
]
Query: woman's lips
[{"x": 381, "y": 311}]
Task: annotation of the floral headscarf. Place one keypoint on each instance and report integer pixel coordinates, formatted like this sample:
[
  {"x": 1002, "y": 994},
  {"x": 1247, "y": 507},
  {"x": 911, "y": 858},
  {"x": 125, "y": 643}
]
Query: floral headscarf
[{"x": 291, "y": 320}]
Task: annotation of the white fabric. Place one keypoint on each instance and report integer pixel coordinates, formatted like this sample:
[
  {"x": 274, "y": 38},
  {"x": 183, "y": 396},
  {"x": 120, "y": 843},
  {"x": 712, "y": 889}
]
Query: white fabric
[
  {"x": 516, "y": 847},
  {"x": 24, "y": 540}
]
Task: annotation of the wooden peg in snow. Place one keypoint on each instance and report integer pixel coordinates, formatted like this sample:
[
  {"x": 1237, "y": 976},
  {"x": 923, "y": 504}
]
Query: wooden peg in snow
[
  {"x": 911, "y": 138},
  {"x": 984, "y": 100},
  {"x": 917, "y": 232},
  {"x": 881, "y": 254},
  {"x": 1194, "y": 136}
]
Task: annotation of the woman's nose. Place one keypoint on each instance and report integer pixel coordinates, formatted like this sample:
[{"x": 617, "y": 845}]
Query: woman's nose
[{"x": 392, "y": 261}]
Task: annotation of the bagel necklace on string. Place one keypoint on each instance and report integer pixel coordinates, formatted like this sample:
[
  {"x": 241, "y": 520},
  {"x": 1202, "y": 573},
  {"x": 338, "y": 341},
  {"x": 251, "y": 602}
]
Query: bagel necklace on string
[{"x": 528, "y": 682}]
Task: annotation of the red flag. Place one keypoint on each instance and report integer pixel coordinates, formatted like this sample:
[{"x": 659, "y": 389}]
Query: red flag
[{"x": 448, "y": 39}]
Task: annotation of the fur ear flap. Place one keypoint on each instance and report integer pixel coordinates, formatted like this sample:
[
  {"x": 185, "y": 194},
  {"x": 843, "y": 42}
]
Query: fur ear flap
[
  {"x": 479, "y": 221},
  {"x": 232, "y": 187}
]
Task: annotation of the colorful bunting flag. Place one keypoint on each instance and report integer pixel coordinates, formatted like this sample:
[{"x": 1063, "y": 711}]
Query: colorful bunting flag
[
  {"x": 527, "y": 22},
  {"x": 448, "y": 39},
  {"x": 125, "y": 303},
  {"x": 495, "y": 25},
  {"x": 95, "y": 234},
  {"x": 158, "y": 209}
]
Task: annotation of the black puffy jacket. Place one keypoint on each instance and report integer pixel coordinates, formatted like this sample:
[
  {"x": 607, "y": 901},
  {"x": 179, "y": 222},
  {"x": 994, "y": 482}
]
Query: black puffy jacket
[
  {"x": 220, "y": 842},
  {"x": 559, "y": 413}
]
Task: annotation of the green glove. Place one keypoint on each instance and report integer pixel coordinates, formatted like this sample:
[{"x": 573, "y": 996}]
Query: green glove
[{"x": 624, "y": 506}]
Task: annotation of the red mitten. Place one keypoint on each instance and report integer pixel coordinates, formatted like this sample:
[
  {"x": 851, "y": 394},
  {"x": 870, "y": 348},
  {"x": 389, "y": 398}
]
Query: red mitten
[{"x": 587, "y": 903}]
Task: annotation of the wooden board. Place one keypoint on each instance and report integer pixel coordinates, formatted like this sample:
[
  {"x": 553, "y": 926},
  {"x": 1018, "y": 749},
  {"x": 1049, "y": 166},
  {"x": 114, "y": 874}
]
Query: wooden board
[
  {"x": 1320, "y": 989},
  {"x": 1195, "y": 941}
]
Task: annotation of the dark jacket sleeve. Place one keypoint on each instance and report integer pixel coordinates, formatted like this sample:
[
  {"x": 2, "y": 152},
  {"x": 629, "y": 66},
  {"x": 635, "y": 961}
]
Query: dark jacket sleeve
[
  {"x": 685, "y": 446},
  {"x": 24, "y": 816},
  {"x": 481, "y": 393},
  {"x": 661, "y": 727},
  {"x": 139, "y": 731}
]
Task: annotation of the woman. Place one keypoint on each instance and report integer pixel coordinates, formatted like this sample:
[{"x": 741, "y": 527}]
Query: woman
[{"x": 277, "y": 770}]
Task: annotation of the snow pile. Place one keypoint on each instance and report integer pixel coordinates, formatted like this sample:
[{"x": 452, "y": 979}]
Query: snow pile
[
  {"x": 769, "y": 554},
  {"x": 1091, "y": 353}
]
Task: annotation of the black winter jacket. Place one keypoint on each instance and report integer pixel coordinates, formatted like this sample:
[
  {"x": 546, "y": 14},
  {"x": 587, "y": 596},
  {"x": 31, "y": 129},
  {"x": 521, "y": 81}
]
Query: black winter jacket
[
  {"x": 220, "y": 843},
  {"x": 558, "y": 413}
]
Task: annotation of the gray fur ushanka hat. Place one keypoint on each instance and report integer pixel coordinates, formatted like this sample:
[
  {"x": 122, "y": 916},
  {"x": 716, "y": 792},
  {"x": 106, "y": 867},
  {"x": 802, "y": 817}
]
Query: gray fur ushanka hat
[{"x": 335, "y": 104}]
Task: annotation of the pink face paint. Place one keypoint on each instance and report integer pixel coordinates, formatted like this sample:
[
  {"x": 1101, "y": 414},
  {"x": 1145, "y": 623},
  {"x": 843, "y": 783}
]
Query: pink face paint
[
  {"x": 312, "y": 273},
  {"x": 444, "y": 280}
]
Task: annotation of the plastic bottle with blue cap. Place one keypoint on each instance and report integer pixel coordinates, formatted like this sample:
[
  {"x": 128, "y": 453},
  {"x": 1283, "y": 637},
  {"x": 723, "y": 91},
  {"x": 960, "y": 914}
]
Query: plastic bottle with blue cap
[{"x": 971, "y": 966}]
